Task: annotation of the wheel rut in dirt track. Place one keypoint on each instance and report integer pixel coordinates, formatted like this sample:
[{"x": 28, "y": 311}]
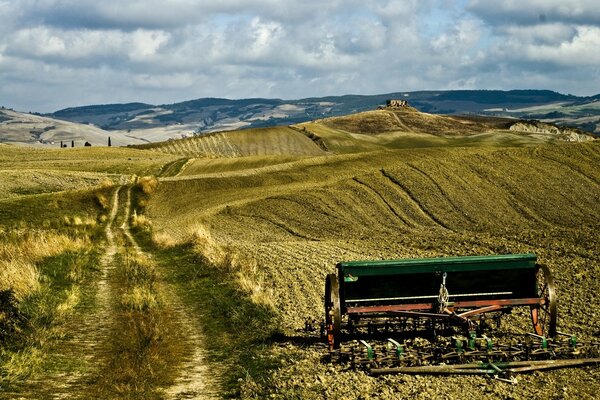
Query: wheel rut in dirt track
[
  {"x": 194, "y": 378},
  {"x": 81, "y": 359},
  {"x": 75, "y": 356}
]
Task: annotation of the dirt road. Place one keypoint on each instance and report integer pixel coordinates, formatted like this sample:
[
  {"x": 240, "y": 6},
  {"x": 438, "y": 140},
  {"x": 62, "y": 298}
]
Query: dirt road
[{"x": 117, "y": 350}]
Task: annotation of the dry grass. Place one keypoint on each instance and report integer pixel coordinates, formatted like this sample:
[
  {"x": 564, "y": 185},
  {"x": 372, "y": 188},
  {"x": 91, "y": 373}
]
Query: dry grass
[
  {"x": 19, "y": 276},
  {"x": 164, "y": 240},
  {"x": 147, "y": 184},
  {"x": 249, "y": 276},
  {"x": 20, "y": 250},
  {"x": 140, "y": 298},
  {"x": 248, "y": 142},
  {"x": 140, "y": 221},
  {"x": 140, "y": 275}
]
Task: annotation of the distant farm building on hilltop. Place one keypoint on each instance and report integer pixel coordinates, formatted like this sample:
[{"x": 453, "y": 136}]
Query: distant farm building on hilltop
[{"x": 396, "y": 103}]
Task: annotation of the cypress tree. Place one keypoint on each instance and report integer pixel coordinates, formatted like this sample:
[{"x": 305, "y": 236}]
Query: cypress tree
[{"x": 109, "y": 144}]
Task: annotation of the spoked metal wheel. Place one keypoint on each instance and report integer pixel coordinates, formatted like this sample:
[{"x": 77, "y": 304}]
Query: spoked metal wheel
[
  {"x": 543, "y": 315},
  {"x": 333, "y": 315}
]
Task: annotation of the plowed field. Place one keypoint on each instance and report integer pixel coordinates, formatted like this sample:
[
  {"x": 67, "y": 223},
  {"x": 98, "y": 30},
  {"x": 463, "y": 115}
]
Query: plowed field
[{"x": 296, "y": 222}]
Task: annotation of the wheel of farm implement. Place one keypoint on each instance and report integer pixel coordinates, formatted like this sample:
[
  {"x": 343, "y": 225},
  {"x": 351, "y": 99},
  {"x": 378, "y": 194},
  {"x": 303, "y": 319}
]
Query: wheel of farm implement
[
  {"x": 333, "y": 315},
  {"x": 543, "y": 316}
]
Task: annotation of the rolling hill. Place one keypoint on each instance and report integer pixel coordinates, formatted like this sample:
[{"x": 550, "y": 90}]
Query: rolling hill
[
  {"x": 136, "y": 123},
  {"x": 29, "y": 129},
  {"x": 388, "y": 128},
  {"x": 213, "y": 114},
  {"x": 232, "y": 236}
]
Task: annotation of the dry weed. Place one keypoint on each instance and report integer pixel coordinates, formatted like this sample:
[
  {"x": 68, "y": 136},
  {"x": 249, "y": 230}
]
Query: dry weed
[
  {"x": 245, "y": 268},
  {"x": 148, "y": 184},
  {"x": 140, "y": 221},
  {"x": 20, "y": 276},
  {"x": 20, "y": 250},
  {"x": 205, "y": 245},
  {"x": 163, "y": 240}
]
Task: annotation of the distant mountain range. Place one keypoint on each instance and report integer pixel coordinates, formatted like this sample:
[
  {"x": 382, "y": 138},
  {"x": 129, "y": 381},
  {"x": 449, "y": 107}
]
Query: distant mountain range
[{"x": 214, "y": 114}]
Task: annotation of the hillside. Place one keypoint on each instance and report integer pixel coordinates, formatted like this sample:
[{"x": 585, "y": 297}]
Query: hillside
[
  {"x": 388, "y": 128},
  {"x": 282, "y": 228},
  {"x": 248, "y": 142},
  {"x": 135, "y": 123},
  {"x": 210, "y": 114},
  {"x": 29, "y": 129},
  {"x": 189, "y": 267}
]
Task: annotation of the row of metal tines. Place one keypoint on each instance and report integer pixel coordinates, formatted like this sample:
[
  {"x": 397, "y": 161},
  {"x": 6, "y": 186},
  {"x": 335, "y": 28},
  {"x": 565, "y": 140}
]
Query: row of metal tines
[{"x": 459, "y": 350}]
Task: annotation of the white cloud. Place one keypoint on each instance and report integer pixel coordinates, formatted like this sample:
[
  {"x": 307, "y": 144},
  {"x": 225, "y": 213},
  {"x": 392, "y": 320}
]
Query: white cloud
[
  {"x": 65, "y": 45},
  {"x": 168, "y": 50}
]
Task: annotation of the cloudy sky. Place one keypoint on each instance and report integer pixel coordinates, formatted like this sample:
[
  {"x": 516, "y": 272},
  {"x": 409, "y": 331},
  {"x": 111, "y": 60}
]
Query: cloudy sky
[{"x": 61, "y": 53}]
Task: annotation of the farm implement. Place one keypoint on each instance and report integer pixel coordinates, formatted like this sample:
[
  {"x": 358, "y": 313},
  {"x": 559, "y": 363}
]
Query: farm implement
[{"x": 436, "y": 316}]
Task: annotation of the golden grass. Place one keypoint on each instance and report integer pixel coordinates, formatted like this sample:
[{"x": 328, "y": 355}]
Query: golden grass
[
  {"x": 163, "y": 240},
  {"x": 148, "y": 184},
  {"x": 20, "y": 250},
  {"x": 140, "y": 221},
  {"x": 19, "y": 276},
  {"x": 247, "y": 142},
  {"x": 245, "y": 268},
  {"x": 140, "y": 298}
]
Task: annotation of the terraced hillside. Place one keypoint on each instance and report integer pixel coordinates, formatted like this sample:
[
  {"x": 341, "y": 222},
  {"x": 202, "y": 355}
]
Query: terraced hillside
[
  {"x": 250, "y": 142},
  {"x": 284, "y": 229}
]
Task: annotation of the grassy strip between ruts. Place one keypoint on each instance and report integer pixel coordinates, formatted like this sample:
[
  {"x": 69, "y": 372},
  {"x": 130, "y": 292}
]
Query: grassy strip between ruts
[
  {"x": 237, "y": 331},
  {"x": 144, "y": 347}
]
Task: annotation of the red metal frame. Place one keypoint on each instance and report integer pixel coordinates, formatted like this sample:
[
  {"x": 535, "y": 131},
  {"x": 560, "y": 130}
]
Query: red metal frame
[{"x": 481, "y": 306}]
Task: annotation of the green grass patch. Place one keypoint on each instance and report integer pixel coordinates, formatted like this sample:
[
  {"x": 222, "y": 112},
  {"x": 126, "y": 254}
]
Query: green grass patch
[{"x": 238, "y": 332}]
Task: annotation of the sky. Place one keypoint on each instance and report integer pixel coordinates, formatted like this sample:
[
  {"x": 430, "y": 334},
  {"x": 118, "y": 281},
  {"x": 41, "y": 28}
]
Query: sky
[{"x": 63, "y": 53}]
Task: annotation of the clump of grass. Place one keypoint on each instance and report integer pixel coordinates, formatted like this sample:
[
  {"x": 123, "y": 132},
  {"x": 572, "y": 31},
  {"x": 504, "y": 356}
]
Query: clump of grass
[
  {"x": 144, "y": 187},
  {"x": 251, "y": 280},
  {"x": 140, "y": 221},
  {"x": 101, "y": 194},
  {"x": 21, "y": 277},
  {"x": 79, "y": 221},
  {"x": 207, "y": 247},
  {"x": 163, "y": 240},
  {"x": 140, "y": 298},
  {"x": 20, "y": 250},
  {"x": 20, "y": 364},
  {"x": 243, "y": 266},
  {"x": 140, "y": 276},
  {"x": 139, "y": 270},
  {"x": 147, "y": 184}
]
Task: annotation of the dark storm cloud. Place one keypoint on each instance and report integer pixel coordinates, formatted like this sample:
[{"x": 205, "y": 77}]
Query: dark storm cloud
[{"x": 534, "y": 12}]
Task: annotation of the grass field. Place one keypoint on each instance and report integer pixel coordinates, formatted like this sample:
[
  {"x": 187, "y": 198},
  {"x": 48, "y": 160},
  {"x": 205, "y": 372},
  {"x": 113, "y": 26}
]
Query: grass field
[{"x": 237, "y": 234}]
